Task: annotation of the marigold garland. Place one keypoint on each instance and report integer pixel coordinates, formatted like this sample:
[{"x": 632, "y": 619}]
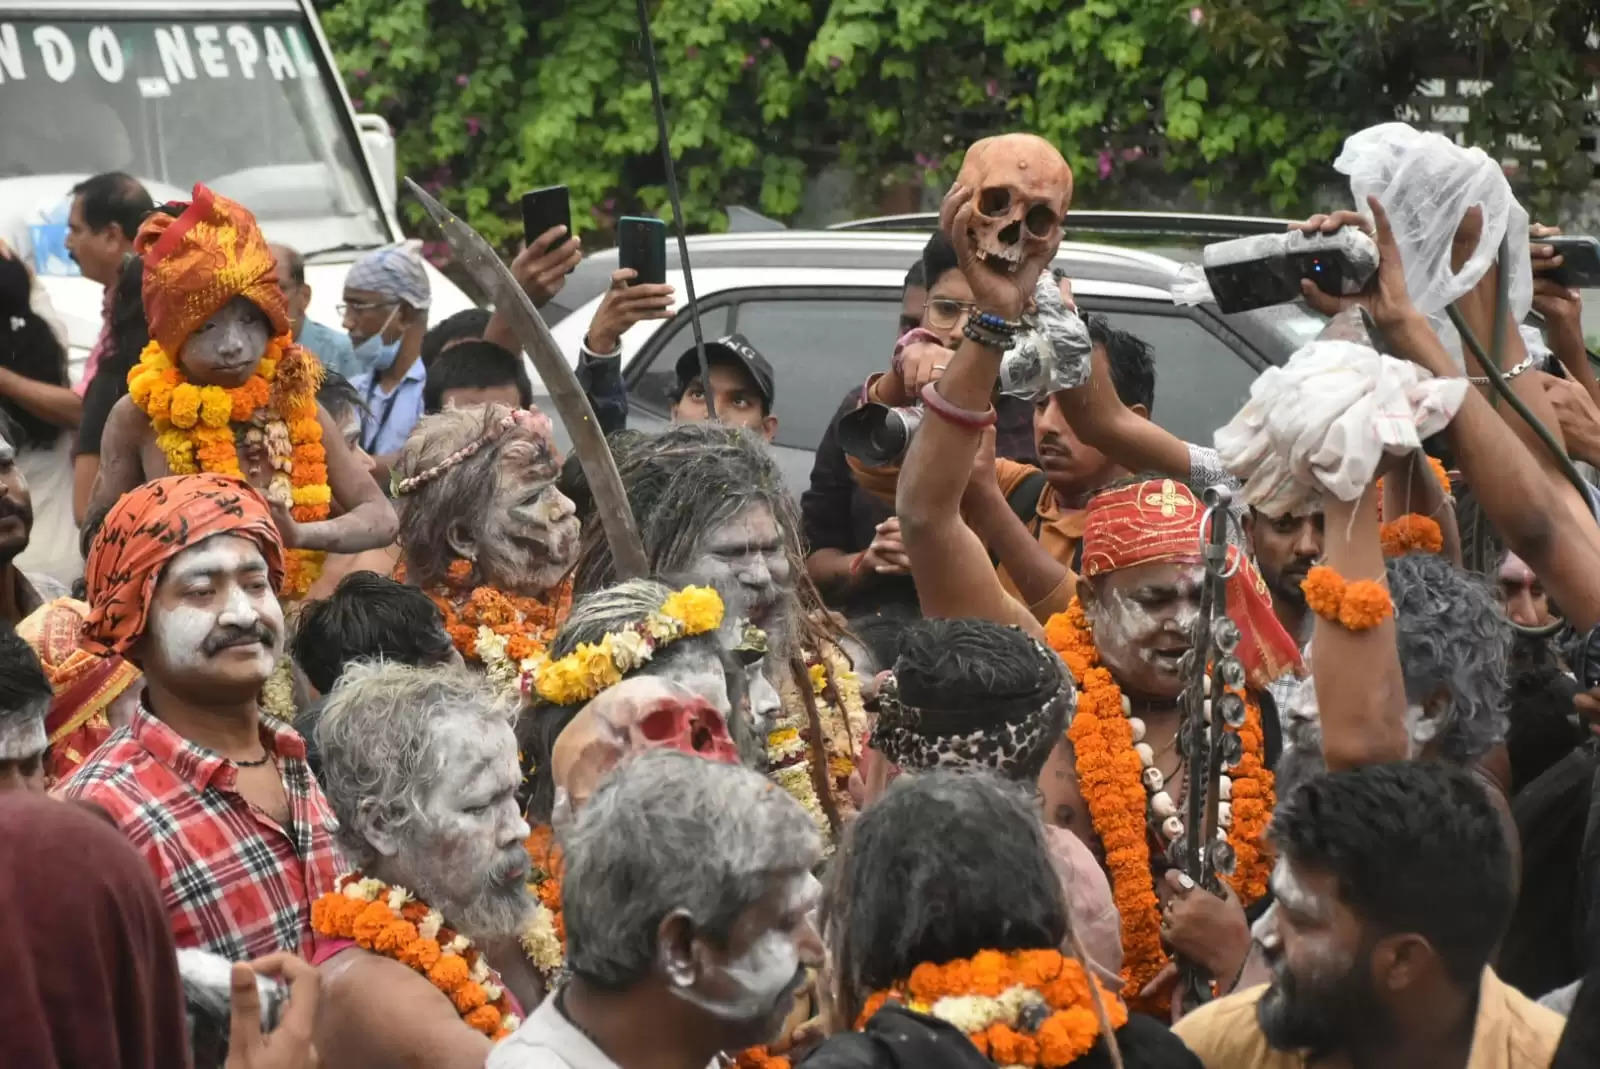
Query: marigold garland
[
  {"x": 1109, "y": 778},
  {"x": 1019, "y": 1008},
  {"x": 505, "y": 633},
  {"x": 195, "y": 429},
  {"x": 596, "y": 666},
  {"x": 1355, "y": 606},
  {"x": 544, "y": 939},
  {"x": 391, "y": 922},
  {"x": 1411, "y": 532},
  {"x": 843, "y": 719}
]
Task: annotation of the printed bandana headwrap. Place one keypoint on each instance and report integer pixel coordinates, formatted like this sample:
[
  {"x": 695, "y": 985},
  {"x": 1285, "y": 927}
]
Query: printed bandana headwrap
[
  {"x": 198, "y": 262},
  {"x": 147, "y": 528},
  {"x": 921, "y": 730},
  {"x": 1157, "y": 521}
]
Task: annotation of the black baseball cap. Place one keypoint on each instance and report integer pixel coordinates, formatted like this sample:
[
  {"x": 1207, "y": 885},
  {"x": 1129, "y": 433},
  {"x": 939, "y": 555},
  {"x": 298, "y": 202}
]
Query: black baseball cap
[{"x": 731, "y": 349}]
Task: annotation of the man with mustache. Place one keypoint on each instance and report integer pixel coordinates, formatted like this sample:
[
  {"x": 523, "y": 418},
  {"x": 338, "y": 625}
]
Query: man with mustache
[
  {"x": 418, "y": 947},
  {"x": 690, "y": 913},
  {"x": 1393, "y": 886},
  {"x": 220, "y": 802}
]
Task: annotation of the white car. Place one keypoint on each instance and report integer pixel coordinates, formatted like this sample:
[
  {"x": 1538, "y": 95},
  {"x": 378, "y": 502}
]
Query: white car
[{"x": 823, "y": 307}]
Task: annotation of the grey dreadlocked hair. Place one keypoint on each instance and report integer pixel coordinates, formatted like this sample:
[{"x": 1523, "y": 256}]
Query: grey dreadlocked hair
[
  {"x": 593, "y": 616},
  {"x": 686, "y": 481}
]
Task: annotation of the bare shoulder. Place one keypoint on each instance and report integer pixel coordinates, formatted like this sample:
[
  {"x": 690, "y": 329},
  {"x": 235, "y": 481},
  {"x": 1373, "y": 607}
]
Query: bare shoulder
[
  {"x": 126, "y": 424},
  {"x": 377, "y": 1012},
  {"x": 122, "y": 447}
]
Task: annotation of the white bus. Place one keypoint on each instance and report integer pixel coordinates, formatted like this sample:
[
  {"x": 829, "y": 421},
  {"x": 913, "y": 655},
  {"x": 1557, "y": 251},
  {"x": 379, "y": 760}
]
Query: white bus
[{"x": 242, "y": 95}]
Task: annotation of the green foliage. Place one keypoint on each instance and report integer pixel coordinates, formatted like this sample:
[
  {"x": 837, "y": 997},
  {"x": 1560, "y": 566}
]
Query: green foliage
[{"x": 1236, "y": 104}]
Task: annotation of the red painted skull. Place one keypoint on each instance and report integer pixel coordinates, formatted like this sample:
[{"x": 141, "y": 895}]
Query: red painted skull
[
  {"x": 1021, "y": 191},
  {"x": 638, "y": 714}
]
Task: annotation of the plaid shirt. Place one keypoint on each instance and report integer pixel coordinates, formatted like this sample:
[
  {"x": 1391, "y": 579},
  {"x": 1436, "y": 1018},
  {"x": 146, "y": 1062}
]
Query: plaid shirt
[{"x": 234, "y": 881}]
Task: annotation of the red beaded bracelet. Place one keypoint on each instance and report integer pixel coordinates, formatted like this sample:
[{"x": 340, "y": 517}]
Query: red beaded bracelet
[{"x": 961, "y": 417}]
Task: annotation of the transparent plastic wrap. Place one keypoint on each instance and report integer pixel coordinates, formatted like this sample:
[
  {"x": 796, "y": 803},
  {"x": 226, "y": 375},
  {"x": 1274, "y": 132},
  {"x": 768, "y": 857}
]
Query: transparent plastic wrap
[
  {"x": 1321, "y": 424},
  {"x": 208, "y": 998},
  {"x": 1052, "y": 353},
  {"x": 1427, "y": 183}
]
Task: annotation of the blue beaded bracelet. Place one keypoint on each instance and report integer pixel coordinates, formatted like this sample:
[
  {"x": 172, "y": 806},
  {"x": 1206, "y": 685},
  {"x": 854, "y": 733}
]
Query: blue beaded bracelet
[{"x": 993, "y": 322}]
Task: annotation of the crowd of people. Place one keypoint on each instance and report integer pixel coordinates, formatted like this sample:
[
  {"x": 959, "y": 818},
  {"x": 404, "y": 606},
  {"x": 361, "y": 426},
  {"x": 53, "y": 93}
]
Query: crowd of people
[{"x": 336, "y": 728}]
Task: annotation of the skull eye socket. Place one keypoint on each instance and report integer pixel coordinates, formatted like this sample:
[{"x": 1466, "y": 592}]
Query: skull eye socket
[
  {"x": 661, "y": 725},
  {"x": 995, "y": 200},
  {"x": 1040, "y": 220}
]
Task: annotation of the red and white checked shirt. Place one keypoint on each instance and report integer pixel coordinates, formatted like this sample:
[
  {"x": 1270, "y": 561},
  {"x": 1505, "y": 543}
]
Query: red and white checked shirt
[{"x": 235, "y": 882}]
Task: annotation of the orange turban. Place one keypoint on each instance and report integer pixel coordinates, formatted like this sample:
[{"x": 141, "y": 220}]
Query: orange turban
[
  {"x": 198, "y": 262},
  {"x": 1158, "y": 521},
  {"x": 149, "y": 526},
  {"x": 85, "y": 684}
]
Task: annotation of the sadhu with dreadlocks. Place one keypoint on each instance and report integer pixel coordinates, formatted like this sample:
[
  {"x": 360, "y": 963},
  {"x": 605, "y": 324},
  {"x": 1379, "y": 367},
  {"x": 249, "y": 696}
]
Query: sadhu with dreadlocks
[{"x": 713, "y": 511}]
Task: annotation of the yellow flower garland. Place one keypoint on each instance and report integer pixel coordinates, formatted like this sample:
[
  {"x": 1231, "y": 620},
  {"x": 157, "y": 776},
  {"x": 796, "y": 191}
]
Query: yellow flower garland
[
  {"x": 844, "y": 729},
  {"x": 195, "y": 430},
  {"x": 595, "y": 666}
]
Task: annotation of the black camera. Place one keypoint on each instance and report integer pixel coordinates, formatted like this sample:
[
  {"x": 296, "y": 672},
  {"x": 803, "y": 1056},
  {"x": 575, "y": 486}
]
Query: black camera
[
  {"x": 878, "y": 435},
  {"x": 1267, "y": 269}
]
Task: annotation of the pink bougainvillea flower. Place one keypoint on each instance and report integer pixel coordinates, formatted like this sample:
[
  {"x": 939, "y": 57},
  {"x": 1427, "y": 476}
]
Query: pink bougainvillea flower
[
  {"x": 766, "y": 42},
  {"x": 473, "y": 126},
  {"x": 992, "y": 87},
  {"x": 462, "y": 80},
  {"x": 1105, "y": 163},
  {"x": 1197, "y": 15},
  {"x": 834, "y": 63},
  {"x": 1131, "y": 154},
  {"x": 749, "y": 61},
  {"x": 692, "y": 51}
]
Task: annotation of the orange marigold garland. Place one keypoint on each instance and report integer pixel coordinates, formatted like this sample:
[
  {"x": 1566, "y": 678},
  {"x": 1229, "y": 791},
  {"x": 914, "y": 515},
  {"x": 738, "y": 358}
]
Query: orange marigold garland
[
  {"x": 1355, "y": 606},
  {"x": 198, "y": 428},
  {"x": 1020, "y": 1007},
  {"x": 1110, "y": 780},
  {"x": 393, "y": 923},
  {"x": 505, "y": 633},
  {"x": 1411, "y": 532},
  {"x": 544, "y": 939}
]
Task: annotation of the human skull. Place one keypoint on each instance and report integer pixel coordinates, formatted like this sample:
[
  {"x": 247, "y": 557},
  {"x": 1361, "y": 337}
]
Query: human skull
[
  {"x": 1021, "y": 191},
  {"x": 640, "y": 713}
]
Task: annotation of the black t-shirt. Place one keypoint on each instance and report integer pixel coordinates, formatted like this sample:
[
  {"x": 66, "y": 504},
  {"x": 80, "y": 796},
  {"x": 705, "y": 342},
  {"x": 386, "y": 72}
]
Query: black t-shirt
[{"x": 104, "y": 391}]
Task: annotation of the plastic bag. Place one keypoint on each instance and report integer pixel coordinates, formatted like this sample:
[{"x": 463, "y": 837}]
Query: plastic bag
[
  {"x": 1052, "y": 354},
  {"x": 1322, "y": 423},
  {"x": 1426, "y": 183}
]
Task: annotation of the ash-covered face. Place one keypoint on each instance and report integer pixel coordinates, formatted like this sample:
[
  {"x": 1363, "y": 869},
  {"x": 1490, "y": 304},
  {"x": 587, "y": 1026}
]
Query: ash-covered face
[
  {"x": 745, "y": 560},
  {"x": 529, "y": 532},
  {"x": 1143, "y": 619},
  {"x": 215, "y": 627},
  {"x": 1322, "y": 992},
  {"x": 225, "y": 349},
  {"x": 465, "y": 855},
  {"x": 751, "y": 982}
]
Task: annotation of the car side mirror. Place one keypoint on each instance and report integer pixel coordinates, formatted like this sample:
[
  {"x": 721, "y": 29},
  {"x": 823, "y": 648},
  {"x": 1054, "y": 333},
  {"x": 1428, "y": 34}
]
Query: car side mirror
[{"x": 378, "y": 140}]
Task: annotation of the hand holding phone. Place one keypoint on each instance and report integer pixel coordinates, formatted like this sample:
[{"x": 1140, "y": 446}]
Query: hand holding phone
[
  {"x": 1579, "y": 266},
  {"x": 642, "y": 246}
]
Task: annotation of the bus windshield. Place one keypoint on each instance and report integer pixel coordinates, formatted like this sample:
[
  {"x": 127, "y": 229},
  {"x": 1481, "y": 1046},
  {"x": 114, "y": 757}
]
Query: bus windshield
[{"x": 243, "y": 104}]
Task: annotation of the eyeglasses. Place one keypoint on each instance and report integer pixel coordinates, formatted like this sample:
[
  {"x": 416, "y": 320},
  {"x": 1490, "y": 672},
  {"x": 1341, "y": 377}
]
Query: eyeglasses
[
  {"x": 944, "y": 313},
  {"x": 362, "y": 307}
]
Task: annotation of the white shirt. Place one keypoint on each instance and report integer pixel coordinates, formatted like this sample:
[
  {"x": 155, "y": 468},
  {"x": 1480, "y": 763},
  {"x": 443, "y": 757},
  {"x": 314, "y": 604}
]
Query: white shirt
[
  {"x": 53, "y": 545},
  {"x": 547, "y": 1040}
]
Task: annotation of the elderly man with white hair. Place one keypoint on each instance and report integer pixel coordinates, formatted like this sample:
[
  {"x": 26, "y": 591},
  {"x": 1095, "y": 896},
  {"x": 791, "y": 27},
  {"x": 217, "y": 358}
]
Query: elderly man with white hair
[
  {"x": 689, "y": 907},
  {"x": 385, "y": 309},
  {"x": 418, "y": 945}
]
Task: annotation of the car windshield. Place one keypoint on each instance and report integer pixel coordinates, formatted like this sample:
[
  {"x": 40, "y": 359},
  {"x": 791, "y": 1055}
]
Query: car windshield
[{"x": 244, "y": 105}]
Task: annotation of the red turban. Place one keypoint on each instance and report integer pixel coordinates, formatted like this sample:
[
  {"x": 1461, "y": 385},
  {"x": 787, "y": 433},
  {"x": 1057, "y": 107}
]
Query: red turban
[
  {"x": 1158, "y": 521},
  {"x": 85, "y": 684},
  {"x": 147, "y": 528},
  {"x": 198, "y": 262}
]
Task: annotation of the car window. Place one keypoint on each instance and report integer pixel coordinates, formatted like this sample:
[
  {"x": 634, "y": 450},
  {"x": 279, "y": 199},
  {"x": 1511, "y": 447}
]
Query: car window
[
  {"x": 1200, "y": 382},
  {"x": 818, "y": 347}
]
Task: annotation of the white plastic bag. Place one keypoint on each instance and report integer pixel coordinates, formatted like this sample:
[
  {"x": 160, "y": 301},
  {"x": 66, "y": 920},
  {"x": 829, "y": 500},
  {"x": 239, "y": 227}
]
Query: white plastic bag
[
  {"x": 1426, "y": 183},
  {"x": 1322, "y": 423}
]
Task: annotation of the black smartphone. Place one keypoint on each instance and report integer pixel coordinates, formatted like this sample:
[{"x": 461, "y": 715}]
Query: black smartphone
[
  {"x": 1580, "y": 261},
  {"x": 642, "y": 245},
  {"x": 543, "y": 209}
]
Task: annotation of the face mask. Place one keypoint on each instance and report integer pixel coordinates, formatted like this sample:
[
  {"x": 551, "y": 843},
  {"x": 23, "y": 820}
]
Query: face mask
[{"x": 374, "y": 352}]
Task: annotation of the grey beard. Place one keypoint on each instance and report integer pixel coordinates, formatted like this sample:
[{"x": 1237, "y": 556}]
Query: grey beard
[{"x": 498, "y": 912}]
